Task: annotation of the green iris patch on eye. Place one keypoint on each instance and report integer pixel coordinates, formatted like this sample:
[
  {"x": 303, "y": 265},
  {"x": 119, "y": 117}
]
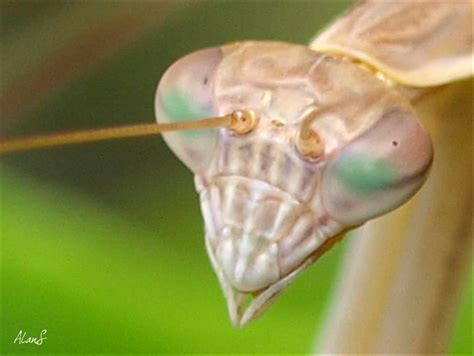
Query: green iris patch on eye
[
  {"x": 365, "y": 175},
  {"x": 179, "y": 107}
]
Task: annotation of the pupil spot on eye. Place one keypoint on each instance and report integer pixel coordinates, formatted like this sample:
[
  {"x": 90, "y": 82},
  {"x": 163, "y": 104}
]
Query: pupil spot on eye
[
  {"x": 180, "y": 106},
  {"x": 394, "y": 143},
  {"x": 364, "y": 175},
  {"x": 205, "y": 80}
]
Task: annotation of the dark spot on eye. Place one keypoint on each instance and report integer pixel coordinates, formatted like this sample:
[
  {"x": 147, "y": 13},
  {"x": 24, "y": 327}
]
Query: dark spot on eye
[
  {"x": 394, "y": 143},
  {"x": 205, "y": 80}
]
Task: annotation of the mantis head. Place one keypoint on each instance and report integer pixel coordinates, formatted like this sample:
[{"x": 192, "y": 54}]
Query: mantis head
[{"x": 333, "y": 147}]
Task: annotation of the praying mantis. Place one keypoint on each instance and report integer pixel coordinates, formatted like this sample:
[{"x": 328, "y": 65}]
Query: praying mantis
[{"x": 312, "y": 144}]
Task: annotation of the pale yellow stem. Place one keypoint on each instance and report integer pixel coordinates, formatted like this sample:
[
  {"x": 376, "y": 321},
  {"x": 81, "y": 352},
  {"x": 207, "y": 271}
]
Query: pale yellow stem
[{"x": 110, "y": 133}]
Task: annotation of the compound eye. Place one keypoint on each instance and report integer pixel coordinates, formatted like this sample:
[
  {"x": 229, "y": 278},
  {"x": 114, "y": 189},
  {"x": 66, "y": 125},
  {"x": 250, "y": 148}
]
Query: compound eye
[
  {"x": 185, "y": 92},
  {"x": 378, "y": 171}
]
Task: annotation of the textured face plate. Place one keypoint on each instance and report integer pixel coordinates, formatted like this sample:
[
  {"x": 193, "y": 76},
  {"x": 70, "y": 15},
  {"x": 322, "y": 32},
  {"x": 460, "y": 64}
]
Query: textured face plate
[{"x": 268, "y": 210}]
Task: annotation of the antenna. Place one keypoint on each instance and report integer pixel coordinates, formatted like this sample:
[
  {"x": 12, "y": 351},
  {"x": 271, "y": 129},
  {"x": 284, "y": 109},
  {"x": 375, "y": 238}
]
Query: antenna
[{"x": 240, "y": 121}]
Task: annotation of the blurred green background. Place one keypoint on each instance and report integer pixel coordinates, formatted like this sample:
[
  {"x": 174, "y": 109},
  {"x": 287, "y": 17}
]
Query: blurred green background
[{"x": 102, "y": 244}]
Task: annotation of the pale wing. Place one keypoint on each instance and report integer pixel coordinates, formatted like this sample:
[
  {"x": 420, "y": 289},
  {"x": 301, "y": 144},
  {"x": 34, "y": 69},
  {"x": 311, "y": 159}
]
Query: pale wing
[{"x": 418, "y": 43}]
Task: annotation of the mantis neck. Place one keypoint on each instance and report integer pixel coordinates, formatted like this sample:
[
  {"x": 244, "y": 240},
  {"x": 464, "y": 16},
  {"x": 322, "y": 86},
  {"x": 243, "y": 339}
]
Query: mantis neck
[{"x": 403, "y": 275}]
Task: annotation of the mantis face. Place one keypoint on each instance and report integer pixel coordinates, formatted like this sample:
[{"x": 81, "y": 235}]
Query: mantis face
[{"x": 334, "y": 148}]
